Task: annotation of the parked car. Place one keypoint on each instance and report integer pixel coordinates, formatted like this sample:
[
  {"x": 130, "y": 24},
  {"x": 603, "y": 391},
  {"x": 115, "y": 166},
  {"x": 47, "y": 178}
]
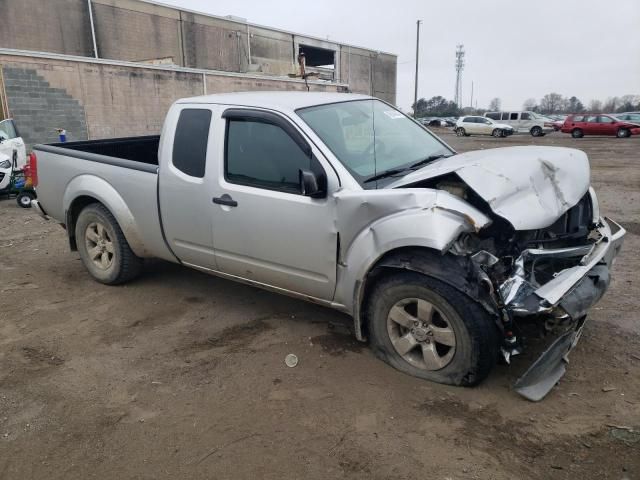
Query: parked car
[
  {"x": 524, "y": 122},
  {"x": 474, "y": 125},
  {"x": 597, "y": 124},
  {"x": 11, "y": 144},
  {"x": 632, "y": 117},
  {"x": 343, "y": 200},
  {"x": 6, "y": 167}
]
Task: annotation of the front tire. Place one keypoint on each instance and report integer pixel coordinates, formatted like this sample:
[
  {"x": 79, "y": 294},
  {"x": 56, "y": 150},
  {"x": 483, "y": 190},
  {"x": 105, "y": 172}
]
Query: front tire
[
  {"x": 577, "y": 133},
  {"x": 623, "y": 133},
  {"x": 428, "y": 329},
  {"x": 497, "y": 133},
  {"x": 103, "y": 248}
]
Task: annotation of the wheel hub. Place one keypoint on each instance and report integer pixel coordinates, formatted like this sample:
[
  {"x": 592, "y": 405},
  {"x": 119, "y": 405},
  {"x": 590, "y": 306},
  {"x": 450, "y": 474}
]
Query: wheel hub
[{"x": 422, "y": 334}]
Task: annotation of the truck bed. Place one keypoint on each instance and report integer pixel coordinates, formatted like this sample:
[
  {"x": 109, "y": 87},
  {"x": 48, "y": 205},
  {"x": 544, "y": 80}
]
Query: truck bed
[{"x": 120, "y": 173}]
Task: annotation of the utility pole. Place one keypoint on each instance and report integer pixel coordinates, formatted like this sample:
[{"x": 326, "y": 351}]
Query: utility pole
[
  {"x": 471, "y": 104},
  {"x": 415, "y": 95}
]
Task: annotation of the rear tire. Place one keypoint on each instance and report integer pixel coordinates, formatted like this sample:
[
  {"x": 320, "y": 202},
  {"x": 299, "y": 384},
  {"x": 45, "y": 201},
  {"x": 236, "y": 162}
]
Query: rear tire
[
  {"x": 454, "y": 319},
  {"x": 623, "y": 133},
  {"x": 577, "y": 133},
  {"x": 461, "y": 132},
  {"x": 536, "y": 132},
  {"x": 103, "y": 248}
]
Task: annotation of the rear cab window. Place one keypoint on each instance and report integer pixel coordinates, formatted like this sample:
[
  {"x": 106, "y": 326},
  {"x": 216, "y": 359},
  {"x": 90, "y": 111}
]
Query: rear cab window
[{"x": 190, "y": 141}]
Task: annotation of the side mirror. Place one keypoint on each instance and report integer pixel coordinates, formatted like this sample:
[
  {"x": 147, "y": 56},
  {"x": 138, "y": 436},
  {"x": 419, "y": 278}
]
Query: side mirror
[{"x": 310, "y": 185}]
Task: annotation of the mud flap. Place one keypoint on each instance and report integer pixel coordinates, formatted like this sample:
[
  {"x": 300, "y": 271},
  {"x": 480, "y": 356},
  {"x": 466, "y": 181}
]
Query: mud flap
[{"x": 549, "y": 368}]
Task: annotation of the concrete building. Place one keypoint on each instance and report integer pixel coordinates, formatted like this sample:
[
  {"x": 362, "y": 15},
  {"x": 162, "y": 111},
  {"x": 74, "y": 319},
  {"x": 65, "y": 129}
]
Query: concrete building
[{"x": 103, "y": 68}]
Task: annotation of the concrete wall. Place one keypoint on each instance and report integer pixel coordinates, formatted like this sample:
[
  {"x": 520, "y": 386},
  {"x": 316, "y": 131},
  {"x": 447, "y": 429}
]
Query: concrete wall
[
  {"x": 60, "y": 26},
  {"x": 102, "y": 99},
  {"x": 132, "y": 30}
]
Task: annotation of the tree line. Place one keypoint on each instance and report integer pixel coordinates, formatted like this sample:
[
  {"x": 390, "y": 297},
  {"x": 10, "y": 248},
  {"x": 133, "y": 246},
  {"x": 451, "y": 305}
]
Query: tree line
[
  {"x": 551, "y": 103},
  {"x": 555, "y": 103}
]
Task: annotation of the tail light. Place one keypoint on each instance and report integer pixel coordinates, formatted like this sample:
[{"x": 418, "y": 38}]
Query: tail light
[{"x": 32, "y": 169}]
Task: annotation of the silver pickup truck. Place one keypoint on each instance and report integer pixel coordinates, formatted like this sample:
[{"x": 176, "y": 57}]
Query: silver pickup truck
[{"x": 441, "y": 259}]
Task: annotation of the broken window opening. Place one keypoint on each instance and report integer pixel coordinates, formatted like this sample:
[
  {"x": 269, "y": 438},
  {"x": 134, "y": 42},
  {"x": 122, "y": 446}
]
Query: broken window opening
[{"x": 318, "y": 57}]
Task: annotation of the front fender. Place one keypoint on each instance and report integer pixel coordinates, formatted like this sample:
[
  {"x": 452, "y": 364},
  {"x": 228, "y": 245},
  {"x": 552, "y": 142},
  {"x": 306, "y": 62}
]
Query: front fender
[
  {"x": 371, "y": 224},
  {"x": 101, "y": 190}
]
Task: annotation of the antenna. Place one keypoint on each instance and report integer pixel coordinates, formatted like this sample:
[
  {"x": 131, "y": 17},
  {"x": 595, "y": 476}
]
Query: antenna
[{"x": 459, "y": 68}]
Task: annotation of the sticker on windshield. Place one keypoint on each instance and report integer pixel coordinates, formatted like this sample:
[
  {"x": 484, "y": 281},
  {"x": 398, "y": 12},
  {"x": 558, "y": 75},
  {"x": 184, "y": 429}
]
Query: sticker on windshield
[{"x": 393, "y": 114}]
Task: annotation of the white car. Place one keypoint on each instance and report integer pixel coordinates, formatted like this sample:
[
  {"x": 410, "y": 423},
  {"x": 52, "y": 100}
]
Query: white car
[
  {"x": 11, "y": 144},
  {"x": 475, "y": 125},
  {"x": 5, "y": 171}
]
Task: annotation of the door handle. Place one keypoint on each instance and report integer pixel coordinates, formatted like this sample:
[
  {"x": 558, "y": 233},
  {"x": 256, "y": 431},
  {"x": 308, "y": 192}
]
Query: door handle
[{"x": 225, "y": 200}]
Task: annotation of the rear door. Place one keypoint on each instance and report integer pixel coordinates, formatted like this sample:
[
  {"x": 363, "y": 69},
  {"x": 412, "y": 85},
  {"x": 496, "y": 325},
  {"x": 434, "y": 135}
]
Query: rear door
[
  {"x": 185, "y": 193},
  {"x": 484, "y": 126},
  {"x": 590, "y": 125},
  {"x": 527, "y": 122},
  {"x": 264, "y": 228}
]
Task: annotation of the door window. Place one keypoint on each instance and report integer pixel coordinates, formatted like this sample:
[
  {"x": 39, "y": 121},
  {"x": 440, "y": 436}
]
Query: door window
[
  {"x": 493, "y": 115},
  {"x": 190, "y": 141},
  {"x": 505, "y": 116},
  {"x": 263, "y": 155},
  {"x": 514, "y": 116},
  {"x": 578, "y": 118},
  {"x": 591, "y": 119},
  {"x": 603, "y": 119},
  {"x": 525, "y": 116}
]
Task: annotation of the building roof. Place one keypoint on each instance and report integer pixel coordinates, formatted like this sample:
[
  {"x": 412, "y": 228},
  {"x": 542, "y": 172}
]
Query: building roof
[{"x": 276, "y": 100}]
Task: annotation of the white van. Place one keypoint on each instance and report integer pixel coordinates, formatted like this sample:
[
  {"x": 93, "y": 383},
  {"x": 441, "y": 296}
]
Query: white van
[{"x": 524, "y": 122}]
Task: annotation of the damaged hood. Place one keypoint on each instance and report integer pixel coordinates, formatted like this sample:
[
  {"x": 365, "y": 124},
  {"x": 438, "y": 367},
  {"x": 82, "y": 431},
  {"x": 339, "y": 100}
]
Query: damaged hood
[{"x": 531, "y": 187}]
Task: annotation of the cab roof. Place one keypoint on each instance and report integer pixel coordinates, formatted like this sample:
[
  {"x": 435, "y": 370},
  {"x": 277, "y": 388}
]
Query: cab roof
[{"x": 276, "y": 100}]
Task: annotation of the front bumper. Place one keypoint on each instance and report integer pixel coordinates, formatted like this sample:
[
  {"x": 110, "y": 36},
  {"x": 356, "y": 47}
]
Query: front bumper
[{"x": 566, "y": 297}]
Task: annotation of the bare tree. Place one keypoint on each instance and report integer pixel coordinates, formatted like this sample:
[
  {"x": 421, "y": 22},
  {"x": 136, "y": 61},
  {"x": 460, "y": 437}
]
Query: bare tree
[
  {"x": 551, "y": 103},
  {"x": 595, "y": 106},
  {"x": 611, "y": 104},
  {"x": 495, "y": 104},
  {"x": 629, "y": 103},
  {"x": 530, "y": 104}
]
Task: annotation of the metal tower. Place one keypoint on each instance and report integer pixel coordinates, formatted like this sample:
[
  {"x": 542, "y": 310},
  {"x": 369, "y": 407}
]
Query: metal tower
[{"x": 459, "y": 68}]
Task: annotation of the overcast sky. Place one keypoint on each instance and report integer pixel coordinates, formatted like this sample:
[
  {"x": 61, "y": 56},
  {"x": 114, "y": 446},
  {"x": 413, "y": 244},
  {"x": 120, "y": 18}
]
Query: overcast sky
[{"x": 515, "y": 49}]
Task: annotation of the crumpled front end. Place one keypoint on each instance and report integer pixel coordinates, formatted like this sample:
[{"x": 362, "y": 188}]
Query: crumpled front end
[{"x": 552, "y": 276}]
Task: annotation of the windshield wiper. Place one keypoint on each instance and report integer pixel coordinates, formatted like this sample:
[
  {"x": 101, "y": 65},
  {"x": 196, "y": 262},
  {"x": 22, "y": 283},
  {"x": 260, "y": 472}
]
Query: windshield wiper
[
  {"x": 430, "y": 158},
  {"x": 394, "y": 171},
  {"x": 387, "y": 173}
]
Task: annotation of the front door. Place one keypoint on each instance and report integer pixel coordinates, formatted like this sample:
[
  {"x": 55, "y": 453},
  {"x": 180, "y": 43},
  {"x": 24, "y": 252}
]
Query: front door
[
  {"x": 606, "y": 125},
  {"x": 264, "y": 228}
]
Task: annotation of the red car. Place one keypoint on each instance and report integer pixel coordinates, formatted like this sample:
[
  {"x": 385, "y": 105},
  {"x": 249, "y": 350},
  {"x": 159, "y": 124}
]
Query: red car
[{"x": 599, "y": 124}]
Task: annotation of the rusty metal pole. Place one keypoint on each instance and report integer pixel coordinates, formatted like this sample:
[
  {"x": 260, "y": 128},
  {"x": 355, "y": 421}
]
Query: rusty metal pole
[{"x": 415, "y": 95}]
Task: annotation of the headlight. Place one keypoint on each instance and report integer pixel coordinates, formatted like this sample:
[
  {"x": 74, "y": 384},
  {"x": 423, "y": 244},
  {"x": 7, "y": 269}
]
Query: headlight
[{"x": 5, "y": 164}]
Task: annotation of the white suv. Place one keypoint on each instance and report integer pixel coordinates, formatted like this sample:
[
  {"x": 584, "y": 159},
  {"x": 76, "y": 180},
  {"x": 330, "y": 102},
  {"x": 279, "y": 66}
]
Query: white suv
[
  {"x": 524, "y": 122},
  {"x": 475, "y": 125}
]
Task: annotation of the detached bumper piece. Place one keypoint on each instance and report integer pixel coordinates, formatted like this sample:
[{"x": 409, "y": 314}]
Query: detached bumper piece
[{"x": 565, "y": 298}]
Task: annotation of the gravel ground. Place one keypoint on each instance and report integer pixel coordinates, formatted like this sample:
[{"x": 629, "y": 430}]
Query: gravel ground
[{"x": 182, "y": 375}]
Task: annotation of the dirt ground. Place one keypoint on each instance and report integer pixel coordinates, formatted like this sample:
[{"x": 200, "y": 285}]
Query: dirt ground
[{"x": 182, "y": 375}]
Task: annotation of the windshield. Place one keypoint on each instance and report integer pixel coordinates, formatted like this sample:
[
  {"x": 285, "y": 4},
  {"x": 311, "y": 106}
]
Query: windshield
[{"x": 369, "y": 137}]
